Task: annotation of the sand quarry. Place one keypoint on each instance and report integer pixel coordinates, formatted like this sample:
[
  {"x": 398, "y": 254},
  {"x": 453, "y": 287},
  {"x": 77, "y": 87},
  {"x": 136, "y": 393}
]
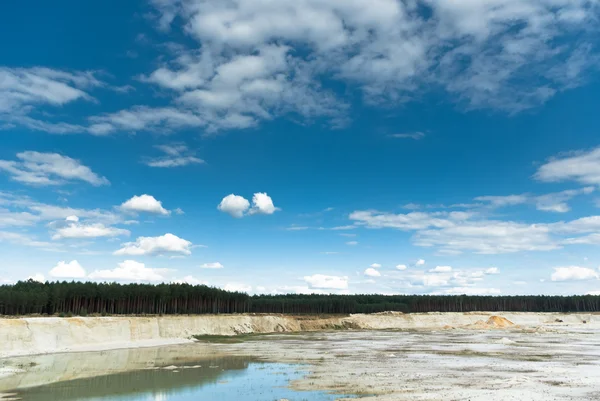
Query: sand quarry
[{"x": 388, "y": 356}]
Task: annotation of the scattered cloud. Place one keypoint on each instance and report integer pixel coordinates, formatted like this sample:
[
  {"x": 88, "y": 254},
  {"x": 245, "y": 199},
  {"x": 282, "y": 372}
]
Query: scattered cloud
[
  {"x": 212, "y": 265},
  {"x": 37, "y": 277},
  {"x": 375, "y": 265},
  {"x": 352, "y": 243},
  {"x": 130, "y": 270},
  {"x": 67, "y": 270},
  {"x": 237, "y": 287},
  {"x": 572, "y": 273},
  {"x": 167, "y": 243},
  {"x": 371, "y": 272},
  {"x": 582, "y": 167},
  {"x": 420, "y": 262},
  {"x": 74, "y": 229},
  {"x": 471, "y": 291},
  {"x": 26, "y": 240},
  {"x": 410, "y": 135},
  {"x": 320, "y": 281},
  {"x": 144, "y": 204},
  {"x": 552, "y": 202},
  {"x": 175, "y": 155},
  {"x": 401, "y": 267},
  {"x": 441, "y": 269},
  {"x": 191, "y": 280},
  {"x": 43, "y": 169}
]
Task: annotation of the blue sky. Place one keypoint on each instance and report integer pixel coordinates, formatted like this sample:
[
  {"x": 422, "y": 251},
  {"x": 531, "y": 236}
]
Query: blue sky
[{"x": 301, "y": 146}]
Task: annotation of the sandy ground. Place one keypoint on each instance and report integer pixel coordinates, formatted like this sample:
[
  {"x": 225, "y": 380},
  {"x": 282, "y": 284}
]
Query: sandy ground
[
  {"x": 481, "y": 361},
  {"x": 443, "y": 365}
]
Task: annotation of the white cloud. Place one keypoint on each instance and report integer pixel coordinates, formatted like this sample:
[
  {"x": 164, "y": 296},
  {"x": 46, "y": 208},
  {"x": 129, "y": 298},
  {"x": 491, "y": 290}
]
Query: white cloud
[
  {"x": 471, "y": 291},
  {"x": 37, "y": 277},
  {"x": 16, "y": 219},
  {"x": 42, "y": 169},
  {"x": 434, "y": 280},
  {"x": 22, "y": 90},
  {"x": 375, "y": 265},
  {"x": 176, "y": 155},
  {"x": 130, "y": 270},
  {"x": 67, "y": 270},
  {"x": 582, "y": 167},
  {"x": 73, "y": 229},
  {"x": 189, "y": 280},
  {"x": 352, "y": 243},
  {"x": 371, "y": 272},
  {"x": 237, "y": 287},
  {"x": 234, "y": 205},
  {"x": 72, "y": 218},
  {"x": 420, "y": 262},
  {"x": 441, "y": 269},
  {"x": 142, "y": 118},
  {"x": 492, "y": 270},
  {"x": 167, "y": 243},
  {"x": 552, "y": 202},
  {"x": 482, "y": 53},
  {"x": 571, "y": 273},
  {"x": 401, "y": 267},
  {"x": 411, "y": 135},
  {"x": 262, "y": 204},
  {"x": 212, "y": 265},
  {"x": 25, "y": 240},
  {"x": 144, "y": 203},
  {"x": 320, "y": 281},
  {"x": 501, "y": 201}
]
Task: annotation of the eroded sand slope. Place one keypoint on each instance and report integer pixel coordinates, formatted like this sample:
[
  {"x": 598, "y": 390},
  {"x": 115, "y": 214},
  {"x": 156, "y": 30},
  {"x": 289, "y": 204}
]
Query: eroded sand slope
[{"x": 29, "y": 336}]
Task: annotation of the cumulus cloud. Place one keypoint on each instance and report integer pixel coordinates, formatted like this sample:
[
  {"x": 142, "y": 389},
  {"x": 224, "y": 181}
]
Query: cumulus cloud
[
  {"x": 321, "y": 281},
  {"x": 238, "y": 206},
  {"x": 43, "y": 169},
  {"x": 420, "y": 262},
  {"x": 582, "y": 167},
  {"x": 130, "y": 270},
  {"x": 37, "y": 277},
  {"x": 492, "y": 270},
  {"x": 212, "y": 265},
  {"x": 67, "y": 270},
  {"x": 375, "y": 265},
  {"x": 144, "y": 203},
  {"x": 167, "y": 243},
  {"x": 262, "y": 204},
  {"x": 572, "y": 273},
  {"x": 401, "y": 267},
  {"x": 371, "y": 272},
  {"x": 234, "y": 205},
  {"x": 175, "y": 155}
]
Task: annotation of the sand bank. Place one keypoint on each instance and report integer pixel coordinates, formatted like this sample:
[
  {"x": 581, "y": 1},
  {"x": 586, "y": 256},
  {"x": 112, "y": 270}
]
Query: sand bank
[{"x": 30, "y": 336}]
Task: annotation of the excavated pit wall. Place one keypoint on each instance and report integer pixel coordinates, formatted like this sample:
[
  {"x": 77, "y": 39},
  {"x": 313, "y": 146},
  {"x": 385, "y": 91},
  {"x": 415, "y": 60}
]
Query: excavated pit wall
[{"x": 30, "y": 336}]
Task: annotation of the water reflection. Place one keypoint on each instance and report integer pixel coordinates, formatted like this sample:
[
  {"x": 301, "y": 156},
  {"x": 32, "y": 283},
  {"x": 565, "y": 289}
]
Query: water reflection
[{"x": 181, "y": 373}]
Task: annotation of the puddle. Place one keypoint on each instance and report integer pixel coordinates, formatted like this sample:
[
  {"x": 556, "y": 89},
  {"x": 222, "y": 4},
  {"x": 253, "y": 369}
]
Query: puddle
[{"x": 176, "y": 378}]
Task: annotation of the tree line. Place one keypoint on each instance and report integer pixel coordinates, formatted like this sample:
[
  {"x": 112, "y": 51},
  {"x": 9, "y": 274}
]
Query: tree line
[{"x": 77, "y": 298}]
